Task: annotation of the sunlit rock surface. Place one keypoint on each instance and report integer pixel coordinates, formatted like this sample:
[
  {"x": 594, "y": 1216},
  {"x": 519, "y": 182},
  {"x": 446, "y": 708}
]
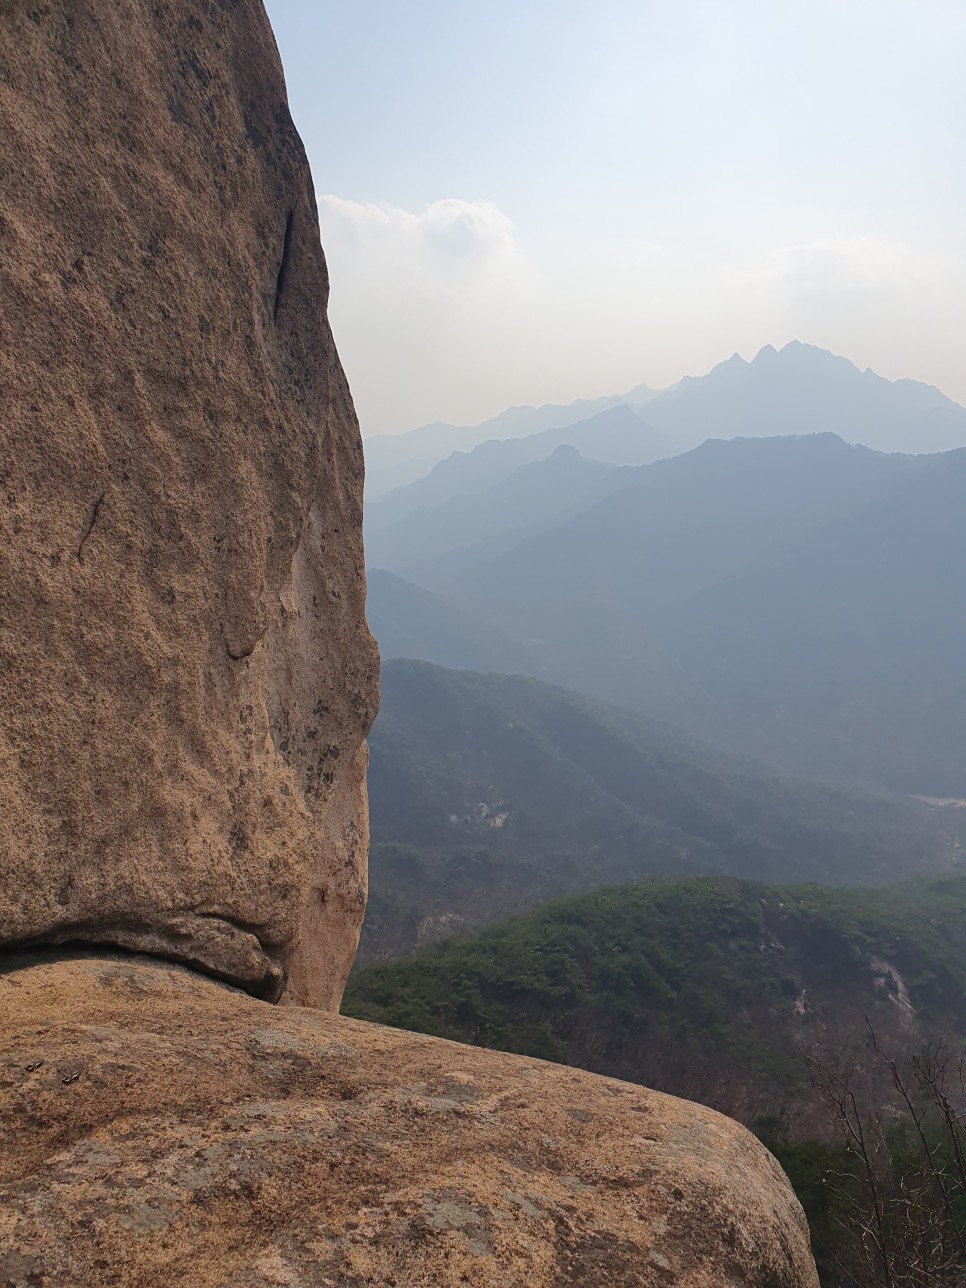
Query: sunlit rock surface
[
  {"x": 186, "y": 672},
  {"x": 157, "y": 1127}
]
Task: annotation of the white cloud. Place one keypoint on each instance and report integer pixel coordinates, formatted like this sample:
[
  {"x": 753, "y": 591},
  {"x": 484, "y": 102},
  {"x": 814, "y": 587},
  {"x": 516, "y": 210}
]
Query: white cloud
[
  {"x": 884, "y": 303},
  {"x": 423, "y": 303},
  {"x": 445, "y": 249},
  {"x": 438, "y": 313},
  {"x": 853, "y": 266}
]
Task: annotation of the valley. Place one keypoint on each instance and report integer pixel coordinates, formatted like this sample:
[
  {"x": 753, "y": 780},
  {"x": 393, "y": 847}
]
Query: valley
[{"x": 489, "y": 793}]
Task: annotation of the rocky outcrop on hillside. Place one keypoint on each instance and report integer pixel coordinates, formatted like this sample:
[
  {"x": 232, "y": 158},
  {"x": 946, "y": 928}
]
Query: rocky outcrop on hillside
[
  {"x": 190, "y": 1134},
  {"x": 187, "y": 680},
  {"x": 187, "y": 676}
]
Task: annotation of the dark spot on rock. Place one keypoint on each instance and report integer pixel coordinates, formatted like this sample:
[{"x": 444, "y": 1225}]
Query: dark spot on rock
[
  {"x": 192, "y": 65},
  {"x": 238, "y": 839},
  {"x": 590, "y": 1258},
  {"x": 255, "y": 137},
  {"x": 176, "y": 110}
]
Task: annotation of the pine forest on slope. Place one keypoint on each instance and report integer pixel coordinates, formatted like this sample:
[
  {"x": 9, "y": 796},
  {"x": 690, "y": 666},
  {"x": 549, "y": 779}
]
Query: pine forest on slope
[{"x": 706, "y": 987}]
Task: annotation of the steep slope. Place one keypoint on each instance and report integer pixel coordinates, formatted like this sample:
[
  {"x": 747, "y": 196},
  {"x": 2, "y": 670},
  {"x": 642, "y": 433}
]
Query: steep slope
[
  {"x": 434, "y": 543},
  {"x": 410, "y": 622},
  {"x": 854, "y": 632},
  {"x": 793, "y": 598},
  {"x": 707, "y": 987},
  {"x": 490, "y": 792},
  {"x": 805, "y": 390},
  {"x": 616, "y": 436},
  {"x": 680, "y": 525}
]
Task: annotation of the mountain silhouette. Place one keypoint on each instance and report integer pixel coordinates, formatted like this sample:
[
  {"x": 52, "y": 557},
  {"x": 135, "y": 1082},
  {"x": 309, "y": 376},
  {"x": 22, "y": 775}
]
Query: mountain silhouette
[{"x": 798, "y": 599}]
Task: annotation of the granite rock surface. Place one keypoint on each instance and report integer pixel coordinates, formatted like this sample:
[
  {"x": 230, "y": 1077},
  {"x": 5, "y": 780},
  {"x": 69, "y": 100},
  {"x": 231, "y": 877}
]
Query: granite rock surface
[
  {"x": 186, "y": 671},
  {"x": 157, "y": 1127},
  {"x": 187, "y": 681}
]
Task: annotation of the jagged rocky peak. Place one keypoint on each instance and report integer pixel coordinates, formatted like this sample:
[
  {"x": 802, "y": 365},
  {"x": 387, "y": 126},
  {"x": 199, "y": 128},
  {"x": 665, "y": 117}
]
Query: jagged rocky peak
[{"x": 188, "y": 680}]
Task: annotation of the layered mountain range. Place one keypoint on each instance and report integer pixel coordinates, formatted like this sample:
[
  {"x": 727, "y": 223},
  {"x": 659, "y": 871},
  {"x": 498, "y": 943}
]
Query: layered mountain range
[
  {"x": 799, "y": 389},
  {"x": 796, "y": 597}
]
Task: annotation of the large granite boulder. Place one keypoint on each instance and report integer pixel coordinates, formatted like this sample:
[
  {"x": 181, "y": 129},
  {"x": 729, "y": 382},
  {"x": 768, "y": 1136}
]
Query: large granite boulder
[
  {"x": 157, "y": 1127},
  {"x": 186, "y": 672},
  {"x": 187, "y": 681}
]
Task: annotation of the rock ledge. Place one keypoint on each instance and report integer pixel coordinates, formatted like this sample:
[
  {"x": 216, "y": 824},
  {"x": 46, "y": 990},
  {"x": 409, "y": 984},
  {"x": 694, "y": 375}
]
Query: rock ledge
[{"x": 158, "y": 1127}]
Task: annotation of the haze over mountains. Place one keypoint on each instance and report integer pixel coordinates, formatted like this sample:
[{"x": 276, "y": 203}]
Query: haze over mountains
[
  {"x": 796, "y": 598},
  {"x": 392, "y": 460},
  {"x": 616, "y": 436},
  {"x": 804, "y": 390},
  {"x": 799, "y": 389},
  {"x": 491, "y": 792},
  {"x": 747, "y": 594},
  {"x": 490, "y": 516}
]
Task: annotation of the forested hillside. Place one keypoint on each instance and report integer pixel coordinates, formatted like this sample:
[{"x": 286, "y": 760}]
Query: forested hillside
[
  {"x": 491, "y": 792},
  {"x": 829, "y": 1021},
  {"x": 704, "y": 987}
]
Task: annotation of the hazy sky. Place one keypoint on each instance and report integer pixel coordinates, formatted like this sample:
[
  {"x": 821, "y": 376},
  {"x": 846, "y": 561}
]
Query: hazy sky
[{"x": 528, "y": 201}]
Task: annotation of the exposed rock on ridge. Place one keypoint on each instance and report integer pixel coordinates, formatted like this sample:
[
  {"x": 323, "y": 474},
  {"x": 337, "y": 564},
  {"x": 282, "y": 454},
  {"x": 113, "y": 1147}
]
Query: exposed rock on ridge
[
  {"x": 187, "y": 676},
  {"x": 187, "y": 681},
  {"x": 166, "y": 1117}
]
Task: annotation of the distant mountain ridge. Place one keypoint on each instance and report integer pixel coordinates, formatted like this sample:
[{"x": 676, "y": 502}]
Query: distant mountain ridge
[
  {"x": 799, "y": 389},
  {"x": 795, "y": 599},
  {"x": 617, "y": 436},
  {"x": 393, "y": 460},
  {"x": 471, "y": 529},
  {"x": 802, "y": 389}
]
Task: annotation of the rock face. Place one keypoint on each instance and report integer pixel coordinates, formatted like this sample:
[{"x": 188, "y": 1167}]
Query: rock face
[
  {"x": 186, "y": 672},
  {"x": 187, "y": 682},
  {"x": 157, "y": 1127}
]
